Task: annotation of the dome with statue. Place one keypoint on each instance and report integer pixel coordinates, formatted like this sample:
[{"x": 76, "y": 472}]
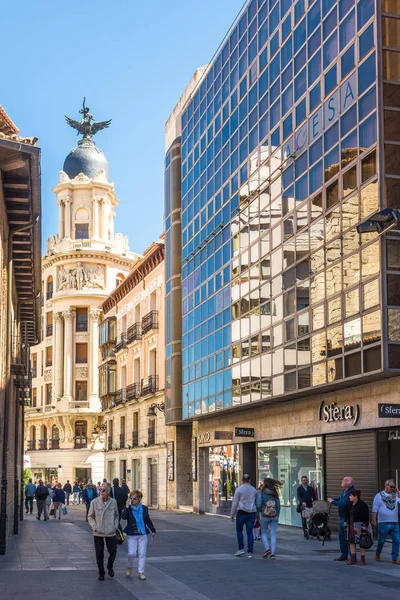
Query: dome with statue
[{"x": 86, "y": 157}]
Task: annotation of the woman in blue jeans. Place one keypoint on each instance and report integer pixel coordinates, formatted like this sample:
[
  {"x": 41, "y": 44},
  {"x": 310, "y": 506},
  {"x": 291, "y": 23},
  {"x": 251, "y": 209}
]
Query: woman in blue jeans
[{"x": 269, "y": 507}]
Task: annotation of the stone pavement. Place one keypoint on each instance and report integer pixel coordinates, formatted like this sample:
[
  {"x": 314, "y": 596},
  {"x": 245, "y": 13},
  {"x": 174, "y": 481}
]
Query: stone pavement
[{"x": 191, "y": 558}]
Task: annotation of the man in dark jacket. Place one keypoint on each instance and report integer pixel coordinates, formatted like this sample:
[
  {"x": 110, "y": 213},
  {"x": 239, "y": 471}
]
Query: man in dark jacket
[
  {"x": 124, "y": 486},
  {"x": 306, "y": 495},
  {"x": 41, "y": 494},
  {"x": 68, "y": 490},
  {"x": 89, "y": 494},
  {"x": 343, "y": 502},
  {"x": 120, "y": 495}
]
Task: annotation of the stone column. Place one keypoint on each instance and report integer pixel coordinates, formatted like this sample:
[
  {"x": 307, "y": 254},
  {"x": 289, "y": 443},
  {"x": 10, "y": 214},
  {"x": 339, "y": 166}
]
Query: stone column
[
  {"x": 94, "y": 316},
  {"x": 105, "y": 220},
  {"x": 67, "y": 220},
  {"x": 68, "y": 316},
  {"x": 60, "y": 205},
  {"x": 58, "y": 360},
  {"x": 95, "y": 233}
]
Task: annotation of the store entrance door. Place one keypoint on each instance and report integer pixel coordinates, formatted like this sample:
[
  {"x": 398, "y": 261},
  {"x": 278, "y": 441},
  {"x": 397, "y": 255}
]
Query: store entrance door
[
  {"x": 153, "y": 482},
  {"x": 83, "y": 474},
  {"x": 388, "y": 443}
]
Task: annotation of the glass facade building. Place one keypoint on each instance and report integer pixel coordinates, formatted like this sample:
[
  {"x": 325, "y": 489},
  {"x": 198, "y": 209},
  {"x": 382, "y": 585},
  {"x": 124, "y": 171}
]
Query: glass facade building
[{"x": 287, "y": 143}]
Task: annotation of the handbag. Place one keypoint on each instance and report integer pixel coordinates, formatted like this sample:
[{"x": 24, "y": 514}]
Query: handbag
[
  {"x": 299, "y": 507},
  {"x": 52, "y": 512},
  {"x": 120, "y": 536},
  {"x": 64, "y": 510},
  {"x": 366, "y": 540}
]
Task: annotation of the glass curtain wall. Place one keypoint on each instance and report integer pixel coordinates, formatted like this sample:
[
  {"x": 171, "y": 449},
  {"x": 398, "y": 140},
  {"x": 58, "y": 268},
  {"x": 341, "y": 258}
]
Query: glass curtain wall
[{"x": 288, "y": 461}]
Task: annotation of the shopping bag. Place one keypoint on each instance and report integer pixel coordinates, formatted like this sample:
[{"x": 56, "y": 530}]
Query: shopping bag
[
  {"x": 257, "y": 530},
  {"x": 64, "y": 510},
  {"x": 52, "y": 512}
]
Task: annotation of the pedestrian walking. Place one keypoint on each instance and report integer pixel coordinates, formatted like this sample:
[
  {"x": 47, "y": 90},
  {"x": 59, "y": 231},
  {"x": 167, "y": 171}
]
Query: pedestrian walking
[
  {"x": 103, "y": 518},
  {"x": 120, "y": 495},
  {"x": 76, "y": 492},
  {"x": 98, "y": 487},
  {"x": 89, "y": 494},
  {"x": 139, "y": 526},
  {"x": 343, "y": 503},
  {"x": 68, "y": 491},
  {"x": 30, "y": 490},
  {"x": 58, "y": 500},
  {"x": 48, "y": 501},
  {"x": 385, "y": 513},
  {"x": 306, "y": 495},
  {"x": 81, "y": 490},
  {"x": 41, "y": 494},
  {"x": 357, "y": 524},
  {"x": 269, "y": 507},
  {"x": 124, "y": 486},
  {"x": 244, "y": 509}
]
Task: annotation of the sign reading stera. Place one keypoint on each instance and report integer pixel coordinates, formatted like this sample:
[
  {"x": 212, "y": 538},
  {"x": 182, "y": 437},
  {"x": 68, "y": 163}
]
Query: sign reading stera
[{"x": 329, "y": 413}]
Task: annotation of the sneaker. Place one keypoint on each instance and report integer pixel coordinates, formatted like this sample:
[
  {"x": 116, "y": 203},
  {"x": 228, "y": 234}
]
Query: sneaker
[
  {"x": 111, "y": 572},
  {"x": 377, "y": 557},
  {"x": 239, "y": 553},
  {"x": 38, "y": 518},
  {"x": 101, "y": 577},
  {"x": 267, "y": 553},
  {"x": 142, "y": 576},
  {"x": 249, "y": 555},
  {"x": 128, "y": 572},
  {"x": 272, "y": 556}
]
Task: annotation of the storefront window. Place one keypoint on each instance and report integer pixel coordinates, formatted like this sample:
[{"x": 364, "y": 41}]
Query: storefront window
[
  {"x": 288, "y": 461},
  {"x": 223, "y": 478},
  {"x": 389, "y": 455}
]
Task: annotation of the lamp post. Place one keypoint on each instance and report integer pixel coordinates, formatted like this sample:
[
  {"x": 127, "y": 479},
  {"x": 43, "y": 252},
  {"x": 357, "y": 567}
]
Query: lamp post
[
  {"x": 152, "y": 409},
  {"x": 380, "y": 222},
  {"x": 99, "y": 427}
]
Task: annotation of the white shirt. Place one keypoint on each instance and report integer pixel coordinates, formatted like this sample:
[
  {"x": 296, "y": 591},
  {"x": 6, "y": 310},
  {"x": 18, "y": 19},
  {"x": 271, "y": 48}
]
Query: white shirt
[
  {"x": 386, "y": 505},
  {"x": 244, "y": 499}
]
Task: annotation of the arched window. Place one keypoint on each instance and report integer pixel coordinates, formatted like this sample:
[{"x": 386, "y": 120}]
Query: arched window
[
  {"x": 81, "y": 224},
  {"x": 32, "y": 438},
  {"x": 55, "y": 438},
  {"x": 119, "y": 279},
  {"x": 80, "y": 434},
  {"x": 49, "y": 288}
]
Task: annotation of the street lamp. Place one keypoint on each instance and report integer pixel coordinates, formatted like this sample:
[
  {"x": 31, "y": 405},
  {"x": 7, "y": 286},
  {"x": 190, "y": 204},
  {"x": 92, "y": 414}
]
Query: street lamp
[
  {"x": 380, "y": 222},
  {"x": 152, "y": 409},
  {"x": 99, "y": 427}
]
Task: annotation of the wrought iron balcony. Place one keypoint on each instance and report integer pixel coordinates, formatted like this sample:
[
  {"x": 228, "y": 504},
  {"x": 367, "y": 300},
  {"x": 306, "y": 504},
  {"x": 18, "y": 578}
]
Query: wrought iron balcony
[
  {"x": 121, "y": 342},
  {"x": 49, "y": 295},
  {"x": 42, "y": 444},
  {"x": 49, "y": 363},
  {"x": 54, "y": 444},
  {"x": 109, "y": 442},
  {"x": 122, "y": 440},
  {"x": 150, "y": 321},
  {"x": 150, "y": 385},
  {"x": 49, "y": 330},
  {"x": 81, "y": 360},
  {"x": 120, "y": 396},
  {"x": 80, "y": 442},
  {"x": 134, "y": 332},
  {"x": 81, "y": 325},
  {"x": 34, "y": 372},
  {"x": 135, "y": 439},
  {"x": 133, "y": 391},
  {"x": 151, "y": 436},
  {"x": 31, "y": 444}
]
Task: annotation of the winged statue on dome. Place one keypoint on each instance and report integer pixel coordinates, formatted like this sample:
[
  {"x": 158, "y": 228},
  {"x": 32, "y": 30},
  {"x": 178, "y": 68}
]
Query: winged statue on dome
[{"x": 87, "y": 126}]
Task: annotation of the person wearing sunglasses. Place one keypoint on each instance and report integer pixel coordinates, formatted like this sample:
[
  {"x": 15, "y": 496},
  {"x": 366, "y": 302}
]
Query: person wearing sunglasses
[
  {"x": 385, "y": 512},
  {"x": 138, "y": 528}
]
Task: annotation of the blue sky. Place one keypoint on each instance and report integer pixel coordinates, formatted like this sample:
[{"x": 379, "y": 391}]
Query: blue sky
[{"x": 132, "y": 61}]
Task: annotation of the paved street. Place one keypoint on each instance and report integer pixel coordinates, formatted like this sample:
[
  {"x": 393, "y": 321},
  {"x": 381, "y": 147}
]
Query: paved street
[{"x": 190, "y": 559}]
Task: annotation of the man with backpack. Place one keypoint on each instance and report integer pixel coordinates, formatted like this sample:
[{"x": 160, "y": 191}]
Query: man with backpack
[
  {"x": 89, "y": 494},
  {"x": 244, "y": 509}
]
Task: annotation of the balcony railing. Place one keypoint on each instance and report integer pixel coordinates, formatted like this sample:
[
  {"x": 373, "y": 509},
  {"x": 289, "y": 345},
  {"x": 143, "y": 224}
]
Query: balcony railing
[
  {"x": 49, "y": 295},
  {"x": 135, "y": 439},
  {"x": 42, "y": 444},
  {"x": 81, "y": 360},
  {"x": 80, "y": 442},
  {"x": 122, "y": 440},
  {"x": 34, "y": 372},
  {"x": 150, "y": 385},
  {"x": 133, "y": 391},
  {"x": 109, "y": 442},
  {"x": 49, "y": 363},
  {"x": 121, "y": 342},
  {"x": 151, "y": 436},
  {"x": 120, "y": 396},
  {"x": 150, "y": 321},
  {"x": 107, "y": 350},
  {"x": 49, "y": 330},
  {"x": 31, "y": 444},
  {"x": 81, "y": 325},
  {"x": 54, "y": 444},
  {"x": 134, "y": 332}
]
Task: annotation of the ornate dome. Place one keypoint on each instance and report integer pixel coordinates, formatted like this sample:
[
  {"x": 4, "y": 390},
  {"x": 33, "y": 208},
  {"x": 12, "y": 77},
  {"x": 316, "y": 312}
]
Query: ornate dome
[{"x": 86, "y": 158}]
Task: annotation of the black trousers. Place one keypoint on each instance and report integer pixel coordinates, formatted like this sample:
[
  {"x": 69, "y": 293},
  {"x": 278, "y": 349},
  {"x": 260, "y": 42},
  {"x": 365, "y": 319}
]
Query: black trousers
[
  {"x": 111, "y": 544},
  {"x": 29, "y": 503}
]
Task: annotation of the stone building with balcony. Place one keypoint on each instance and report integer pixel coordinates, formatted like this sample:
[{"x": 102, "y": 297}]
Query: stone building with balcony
[
  {"x": 83, "y": 263},
  {"x": 132, "y": 380}
]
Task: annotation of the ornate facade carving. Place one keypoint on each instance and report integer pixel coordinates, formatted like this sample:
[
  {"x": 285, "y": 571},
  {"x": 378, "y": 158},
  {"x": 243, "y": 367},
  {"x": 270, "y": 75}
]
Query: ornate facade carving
[
  {"x": 81, "y": 277},
  {"x": 68, "y": 315},
  {"x": 81, "y": 372},
  {"x": 47, "y": 375},
  {"x": 95, "y": 314}
]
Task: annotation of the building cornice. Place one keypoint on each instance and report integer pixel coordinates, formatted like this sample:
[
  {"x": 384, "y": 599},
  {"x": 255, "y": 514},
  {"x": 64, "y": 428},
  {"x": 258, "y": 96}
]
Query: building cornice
[
  {"x": 95, "y": 254},
  {"x": 153, "y": 257}
]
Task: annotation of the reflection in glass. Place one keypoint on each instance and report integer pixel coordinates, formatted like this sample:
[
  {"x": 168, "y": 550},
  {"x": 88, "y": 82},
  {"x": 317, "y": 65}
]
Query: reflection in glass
[
  {"x": 369, "y": 199},
  {"x": 372, "y": 327}
]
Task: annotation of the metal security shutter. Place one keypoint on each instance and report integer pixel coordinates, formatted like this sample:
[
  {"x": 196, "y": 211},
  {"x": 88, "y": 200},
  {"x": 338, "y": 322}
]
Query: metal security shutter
[{"x": 354, "y": 455}]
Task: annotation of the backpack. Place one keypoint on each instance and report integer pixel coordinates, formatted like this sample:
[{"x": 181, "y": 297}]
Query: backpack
[{"x": 270, "y": 508}]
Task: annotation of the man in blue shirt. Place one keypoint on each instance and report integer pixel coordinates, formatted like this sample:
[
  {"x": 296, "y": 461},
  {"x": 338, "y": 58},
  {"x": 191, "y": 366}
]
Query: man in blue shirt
[
  {"x": 30, "y": 490},
  {"x": 342, "y": 502}
]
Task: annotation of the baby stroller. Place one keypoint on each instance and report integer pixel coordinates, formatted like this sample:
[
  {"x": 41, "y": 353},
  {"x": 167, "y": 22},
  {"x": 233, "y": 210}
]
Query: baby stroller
[{"x": 317, "y": 520}]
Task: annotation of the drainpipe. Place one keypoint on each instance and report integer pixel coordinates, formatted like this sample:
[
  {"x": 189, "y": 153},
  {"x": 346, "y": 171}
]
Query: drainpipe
[{"x": 8, "y": 394}]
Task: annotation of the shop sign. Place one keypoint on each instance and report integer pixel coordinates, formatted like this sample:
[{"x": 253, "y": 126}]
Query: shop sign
[
  {"x": 194, "y": 459},
  {"x": 170, "y": 461},
  {"x": 244, "y": 432},
  {"x": 204, "y": 437},
  {"x": 394, "y": 435},
  {"x": 330, "y": 413},
  {"x": 389, "y": 411},
  {"x": 223, "y": 435},
  {"x": 27, "y": 462}
]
